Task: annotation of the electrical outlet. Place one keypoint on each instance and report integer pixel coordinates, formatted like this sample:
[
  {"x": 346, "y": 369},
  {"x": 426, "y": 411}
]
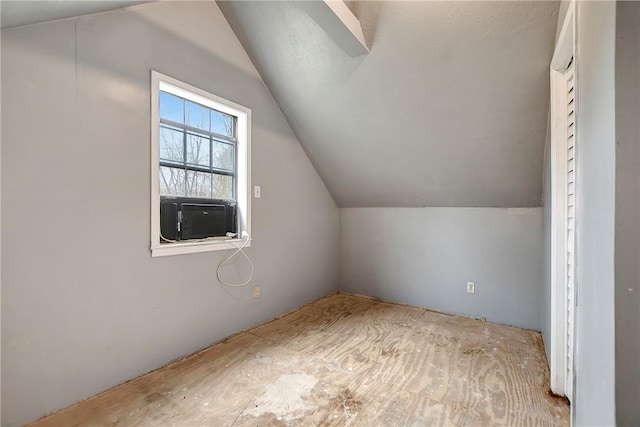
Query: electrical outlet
[
  {"x": 257, "y": 291},
  {"x": 256, "y": 191},
  {"x": 471, "y": 288}
]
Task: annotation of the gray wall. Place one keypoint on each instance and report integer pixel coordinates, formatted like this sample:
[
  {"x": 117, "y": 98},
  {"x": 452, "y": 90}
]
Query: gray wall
[
  {"x": 595, "y": 330},
  {"x": 425, "y": 257},
  {"x": 627, "y": 249},
  {"x": 84, "y": 306}
]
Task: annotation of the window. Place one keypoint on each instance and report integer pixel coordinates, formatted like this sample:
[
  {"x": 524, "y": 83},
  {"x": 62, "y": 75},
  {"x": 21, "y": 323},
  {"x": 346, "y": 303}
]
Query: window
[
  {"x": 197, "y": 149},
  {"x": 200, "y": 145}
]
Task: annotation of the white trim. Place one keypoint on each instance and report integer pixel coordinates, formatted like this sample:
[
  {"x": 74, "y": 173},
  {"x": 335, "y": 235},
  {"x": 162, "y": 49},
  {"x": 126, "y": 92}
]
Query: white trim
[
  {"x": 340, "y": 23},
  {"x": 558, "y": 238},
  {"x": 565, "y": 45},
  {"x": 243, "y": 114},
  {"x": 352, "y": 24},
  {"x": 562, "y": 55},
  {"x": 195, "y": 247}
]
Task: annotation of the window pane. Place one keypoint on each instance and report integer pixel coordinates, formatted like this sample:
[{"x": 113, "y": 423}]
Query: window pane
[
  {"x": 171, "y": 107},
  {"x": 198, "y": 150},
  {"x": 171, "y": 144},
  {"x": 198, "y": 184},
  {"x": 222, "y": 123},
  {"x": 223, "y": 156},
  {"x": 171, "y": 181},
  {"x": 196, "y": 115},
  {"x": 222, "y": 186}
]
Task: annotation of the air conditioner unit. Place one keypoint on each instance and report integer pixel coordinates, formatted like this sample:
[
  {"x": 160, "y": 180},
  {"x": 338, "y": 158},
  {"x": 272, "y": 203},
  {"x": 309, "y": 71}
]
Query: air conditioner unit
[{"x": 183, "y": 218}]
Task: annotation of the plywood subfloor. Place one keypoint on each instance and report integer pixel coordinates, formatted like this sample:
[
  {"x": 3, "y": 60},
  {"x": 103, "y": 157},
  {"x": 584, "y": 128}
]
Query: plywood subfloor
[{"x": 344, "y": 360}]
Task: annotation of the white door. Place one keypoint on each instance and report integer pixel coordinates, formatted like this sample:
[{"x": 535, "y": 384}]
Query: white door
[
  {"x": 564, "y": 143},
  {"x": 570, "y": 231}
]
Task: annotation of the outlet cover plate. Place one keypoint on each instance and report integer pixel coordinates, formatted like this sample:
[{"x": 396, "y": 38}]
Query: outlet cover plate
[{"x": 471, "y": 288}]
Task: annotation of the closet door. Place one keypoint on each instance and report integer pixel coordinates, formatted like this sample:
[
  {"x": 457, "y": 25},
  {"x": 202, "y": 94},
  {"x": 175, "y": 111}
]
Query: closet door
[{"x": 571, "y": 220}]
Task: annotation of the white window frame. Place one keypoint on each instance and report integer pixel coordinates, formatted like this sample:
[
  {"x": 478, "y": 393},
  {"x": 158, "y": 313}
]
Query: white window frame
[
  {"x": 564, "y": 51},
  {"x": 243, "y": 169}
]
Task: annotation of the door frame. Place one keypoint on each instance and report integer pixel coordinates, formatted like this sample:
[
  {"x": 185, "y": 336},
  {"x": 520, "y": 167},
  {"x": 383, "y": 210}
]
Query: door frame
[{"x": 564, "y": 51}]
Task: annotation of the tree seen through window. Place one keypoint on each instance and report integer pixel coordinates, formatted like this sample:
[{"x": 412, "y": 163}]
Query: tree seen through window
[{"x": 197, "y": 150}]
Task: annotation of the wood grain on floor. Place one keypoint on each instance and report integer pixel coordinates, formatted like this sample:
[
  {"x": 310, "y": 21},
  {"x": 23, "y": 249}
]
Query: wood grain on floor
[{"x": 344, "y": 360}]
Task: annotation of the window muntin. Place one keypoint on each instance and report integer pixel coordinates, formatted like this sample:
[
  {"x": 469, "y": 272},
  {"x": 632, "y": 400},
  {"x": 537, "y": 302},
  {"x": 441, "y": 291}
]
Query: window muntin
[{"x": 198, "y": 148}]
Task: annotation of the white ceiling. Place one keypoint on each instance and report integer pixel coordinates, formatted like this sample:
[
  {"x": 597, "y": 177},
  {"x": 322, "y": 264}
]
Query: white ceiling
[
  {"x": 448, "y": 109},
  {"x": 24, "y": 12}
]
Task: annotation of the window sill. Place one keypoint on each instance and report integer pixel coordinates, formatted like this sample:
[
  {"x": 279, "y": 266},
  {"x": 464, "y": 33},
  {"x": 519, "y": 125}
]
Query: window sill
[{"x": 182, "y": 248}]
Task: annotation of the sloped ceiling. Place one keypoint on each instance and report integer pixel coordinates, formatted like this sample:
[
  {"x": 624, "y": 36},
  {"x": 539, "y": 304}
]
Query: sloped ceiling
[
  {"x": 448, "y": 109},
  {"x": 24, "y": 12}
]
